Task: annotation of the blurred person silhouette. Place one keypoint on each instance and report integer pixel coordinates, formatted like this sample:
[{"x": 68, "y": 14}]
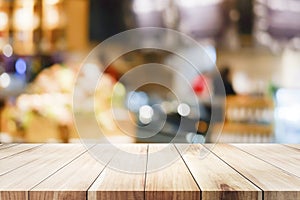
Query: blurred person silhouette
[
  {"x": 218, "y": 109},
  {"x": 225, "y": 75}
]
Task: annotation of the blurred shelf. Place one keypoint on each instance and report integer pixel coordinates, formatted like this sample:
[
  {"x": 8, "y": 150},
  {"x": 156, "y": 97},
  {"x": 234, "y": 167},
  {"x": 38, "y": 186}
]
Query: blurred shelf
[{"x": 247, "y": 119}]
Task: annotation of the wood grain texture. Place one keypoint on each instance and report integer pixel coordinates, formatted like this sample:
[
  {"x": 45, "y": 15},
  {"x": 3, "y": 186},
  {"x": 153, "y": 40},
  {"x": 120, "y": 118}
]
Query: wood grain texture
[
  {"x": 173, "y": 180},
  {"x": 4, "y": 146},
  {"x": 13, "y": 195},
  {"x": 15, "y": 161},
  {"x": 118, "y": 185},
  {"x": 73, "y": 180},
  {"x": 166, "y": 171},
  {"x": 28, "y": 176},
  {"x": 296, "y": 146},
  {"x": 16, "y": 149},
  {"x": 280, "y": 156},
  {"x": 276, "y": 183},
  {"x": 215, "y": 178}
]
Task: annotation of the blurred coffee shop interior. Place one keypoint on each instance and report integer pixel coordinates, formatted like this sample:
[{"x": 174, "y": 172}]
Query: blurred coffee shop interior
[{"x": 254, "y": 43}]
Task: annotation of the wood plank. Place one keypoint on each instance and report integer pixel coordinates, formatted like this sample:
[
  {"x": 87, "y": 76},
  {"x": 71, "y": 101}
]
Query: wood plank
[
  {"x": 13, "y": 162},
  {"x": 4, "y": 146},
  {"x": 60, "y": 171},
  {"x": 283, "y": 157},
  {"x": 114, "y": 184},
  {"x": 215, "y": 178},
  {"x": 170, "y": 182},
  {"x": 276, "y": 183},
  {"x": 296, "y": 146},
  {"x": 17, "y": 183},
  {"x": 16, "y": 149},
  {"x": 73, "y": 181}
]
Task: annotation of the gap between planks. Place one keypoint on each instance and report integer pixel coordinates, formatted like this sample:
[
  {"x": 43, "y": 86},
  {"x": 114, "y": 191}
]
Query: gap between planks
[
  {"x": 17, "y": 183},
  {"x": 275, "y": 183},
  {"x": 214, "y": 177},
  {"x": 74, "y": 179},
  {"x": 280, "y": 156},
  {"x": 17, "y": 149}
]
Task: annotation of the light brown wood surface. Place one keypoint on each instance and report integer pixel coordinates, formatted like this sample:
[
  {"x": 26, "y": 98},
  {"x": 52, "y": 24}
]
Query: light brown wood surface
[
  {"x": 28, "y": 176},
  {"x": 72, "y": 181},
  {"x": 119, "y": 184},
  {"x": 276, "y": 183},
  {"x": 162, "y": 171},
  {"x": 281, "y": 156},
  {"x": 3, "y": 146},
  {"x": 215, "y": 178},
  {"x": 16, "y": 149},
  {"x": 172, "y": 181},
  {"x": 296, "y": 146},
  {"x": 10, "y": 163}
]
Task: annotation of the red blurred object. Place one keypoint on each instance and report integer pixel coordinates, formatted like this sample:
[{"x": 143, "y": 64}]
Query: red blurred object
[
  {"x": 199, "y": 84},
  {"x": 111, "y": 70}
]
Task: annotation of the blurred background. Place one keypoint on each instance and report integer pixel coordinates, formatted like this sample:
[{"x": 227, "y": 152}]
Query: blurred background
[{"x": 254, "y": 43}]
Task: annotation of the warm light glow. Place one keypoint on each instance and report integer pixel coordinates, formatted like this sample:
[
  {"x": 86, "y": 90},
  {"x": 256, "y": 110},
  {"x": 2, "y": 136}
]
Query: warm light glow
[
  {"x": 119, "y": 89},
  {"x": 91, "y": 71},
  {"x": 3, "y": 20},
  {"x": 24, "y": 17},
  {"x": 4, "y": 80},
  {"x": 51, "y": 18},
  {"x": 52, "y": 2}
]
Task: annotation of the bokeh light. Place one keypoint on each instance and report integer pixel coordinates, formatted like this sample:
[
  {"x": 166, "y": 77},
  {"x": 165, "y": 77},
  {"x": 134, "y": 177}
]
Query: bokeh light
[
  {"x": 146, "y": 114},
  {"x": 7, "y": 50},
  {"x": 4, "y": 80},
  {"x": 183, "y": 109},
  {"x": 20, "y": 66}
]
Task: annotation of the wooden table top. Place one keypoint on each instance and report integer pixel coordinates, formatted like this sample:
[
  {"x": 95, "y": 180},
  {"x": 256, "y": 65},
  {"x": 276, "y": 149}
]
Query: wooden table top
[{"x": 228, "y": 171}]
